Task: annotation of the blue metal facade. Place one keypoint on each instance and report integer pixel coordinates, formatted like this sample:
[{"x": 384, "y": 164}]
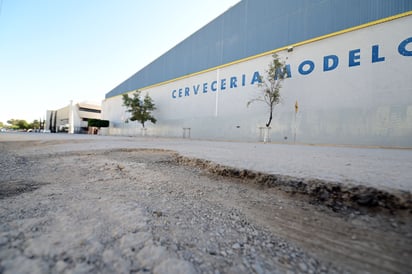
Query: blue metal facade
[{"x": 255, "y": 26}]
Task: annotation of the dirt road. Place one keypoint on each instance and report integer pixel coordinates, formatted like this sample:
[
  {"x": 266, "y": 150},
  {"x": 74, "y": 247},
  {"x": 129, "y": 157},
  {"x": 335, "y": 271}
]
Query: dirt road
[{"x": 147, "y": 211}]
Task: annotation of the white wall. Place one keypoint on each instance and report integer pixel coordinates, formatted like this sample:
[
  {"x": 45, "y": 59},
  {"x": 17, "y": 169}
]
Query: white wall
[{"x": 365, "y": 104}]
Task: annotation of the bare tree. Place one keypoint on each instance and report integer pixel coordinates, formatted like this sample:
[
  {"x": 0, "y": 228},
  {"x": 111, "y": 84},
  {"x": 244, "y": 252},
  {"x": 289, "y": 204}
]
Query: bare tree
[{"x": 271, "y": 85}]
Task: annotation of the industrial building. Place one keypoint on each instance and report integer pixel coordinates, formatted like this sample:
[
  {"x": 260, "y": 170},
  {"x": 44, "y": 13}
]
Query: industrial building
[
  {"x": 349, "y": 83},
  {"x": 72, "y": 118}
]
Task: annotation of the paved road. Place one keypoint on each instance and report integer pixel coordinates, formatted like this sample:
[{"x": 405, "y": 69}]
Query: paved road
[{"x": 381, "y": 168}]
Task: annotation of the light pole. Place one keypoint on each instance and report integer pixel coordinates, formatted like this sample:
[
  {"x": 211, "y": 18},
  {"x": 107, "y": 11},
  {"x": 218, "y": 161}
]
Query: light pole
[{"x": 71, "y": 118}]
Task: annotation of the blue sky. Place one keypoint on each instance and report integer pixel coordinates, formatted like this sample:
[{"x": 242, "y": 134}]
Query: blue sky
[{"x": 54, "y": 51}]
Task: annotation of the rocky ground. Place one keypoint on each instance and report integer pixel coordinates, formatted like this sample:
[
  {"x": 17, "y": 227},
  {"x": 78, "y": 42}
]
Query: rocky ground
[{"x": 153, "y": 211}]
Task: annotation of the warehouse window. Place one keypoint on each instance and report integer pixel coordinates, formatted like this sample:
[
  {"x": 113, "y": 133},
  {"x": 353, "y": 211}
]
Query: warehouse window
[{"x": 90, "y": 110}]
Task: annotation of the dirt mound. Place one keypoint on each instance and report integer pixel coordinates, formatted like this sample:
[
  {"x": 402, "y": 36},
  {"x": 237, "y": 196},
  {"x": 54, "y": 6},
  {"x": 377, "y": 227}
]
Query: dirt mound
[{"x": 333, "y": 194}]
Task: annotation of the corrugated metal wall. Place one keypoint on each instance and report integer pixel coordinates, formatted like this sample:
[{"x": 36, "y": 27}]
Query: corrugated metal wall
[{"x": 255, "y": 26}]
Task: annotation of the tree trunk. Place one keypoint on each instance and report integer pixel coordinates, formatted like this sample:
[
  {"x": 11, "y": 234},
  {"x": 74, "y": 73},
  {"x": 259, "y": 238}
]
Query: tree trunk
[{"x": 270, "y": 117}]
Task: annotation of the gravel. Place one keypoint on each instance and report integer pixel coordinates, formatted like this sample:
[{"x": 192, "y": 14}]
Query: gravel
[{"x": 144, "y": 211}]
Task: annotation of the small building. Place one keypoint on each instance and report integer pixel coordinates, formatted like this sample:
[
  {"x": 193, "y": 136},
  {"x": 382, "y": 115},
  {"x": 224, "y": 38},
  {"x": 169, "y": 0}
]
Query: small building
[{"x": 72, "y": 118}]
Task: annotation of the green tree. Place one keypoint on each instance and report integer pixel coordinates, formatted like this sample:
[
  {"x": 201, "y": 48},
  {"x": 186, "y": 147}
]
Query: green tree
[
  {"x": 1, "y": 125},
  {"x": 271, "y": 85},
  {"x": 23, "y": 124},
  {"x": 140, "y": 109},
  {"x": 35, "y": 124},
  {"x": 12, "y": 122},
  {"x": 18, "y": 124}
]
